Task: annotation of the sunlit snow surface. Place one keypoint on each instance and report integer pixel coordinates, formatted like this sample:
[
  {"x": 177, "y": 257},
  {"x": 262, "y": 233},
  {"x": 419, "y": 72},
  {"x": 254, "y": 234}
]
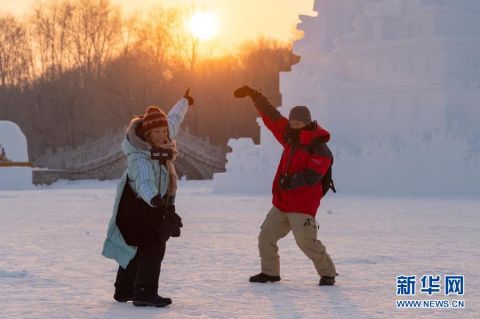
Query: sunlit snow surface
[{"x": 51, "y": 267}]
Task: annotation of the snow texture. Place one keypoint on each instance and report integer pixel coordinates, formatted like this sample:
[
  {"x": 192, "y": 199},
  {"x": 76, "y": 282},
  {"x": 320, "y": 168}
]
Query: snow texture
[{"x": 51, "y": 267}]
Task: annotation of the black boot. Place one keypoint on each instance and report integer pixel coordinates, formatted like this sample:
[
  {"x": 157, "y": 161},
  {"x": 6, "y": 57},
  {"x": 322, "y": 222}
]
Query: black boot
[
  {"x": 123, "y": 297},
  {"x": 147, "y": 296},
  {"x": 326, "y": 281},
  {"x": 124, "y": 283},
  {"x": 261, "y": 277}
]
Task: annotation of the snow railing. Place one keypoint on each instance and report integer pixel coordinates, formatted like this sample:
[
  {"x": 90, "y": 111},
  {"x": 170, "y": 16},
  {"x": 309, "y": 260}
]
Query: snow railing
[{"x": 96, "y": 150}]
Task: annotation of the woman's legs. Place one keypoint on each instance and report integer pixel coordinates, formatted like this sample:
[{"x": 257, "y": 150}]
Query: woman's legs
[
  {"x": 139, "y": 281},
  {"x": 148, "y": 268},
  {"x": 125, "y": 281},
  {"x": 146, "y": 279}
]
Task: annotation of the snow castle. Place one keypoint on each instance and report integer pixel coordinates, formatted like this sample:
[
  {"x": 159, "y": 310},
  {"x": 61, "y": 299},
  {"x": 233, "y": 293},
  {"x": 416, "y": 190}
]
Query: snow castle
[
  {"x": 15, "y": 169},
  {"x": 397, "y": 82}
]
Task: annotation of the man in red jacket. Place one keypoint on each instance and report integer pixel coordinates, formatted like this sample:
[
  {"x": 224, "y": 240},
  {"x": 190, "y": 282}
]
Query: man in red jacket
[{"x": 297, "y": 188}]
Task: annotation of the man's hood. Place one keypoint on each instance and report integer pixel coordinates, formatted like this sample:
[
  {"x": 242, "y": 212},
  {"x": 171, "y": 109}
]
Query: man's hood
[{"x": 307, "y": 136}]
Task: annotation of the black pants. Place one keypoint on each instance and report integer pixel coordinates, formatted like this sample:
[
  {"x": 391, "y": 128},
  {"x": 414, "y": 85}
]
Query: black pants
[{"x": 142, "y": 273}]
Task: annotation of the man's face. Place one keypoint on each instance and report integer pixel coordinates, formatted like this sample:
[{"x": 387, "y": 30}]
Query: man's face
[{"x": 296, "y": 124}]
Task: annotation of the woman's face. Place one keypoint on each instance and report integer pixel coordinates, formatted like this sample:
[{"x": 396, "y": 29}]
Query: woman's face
[{"x": 158, "y": 136}]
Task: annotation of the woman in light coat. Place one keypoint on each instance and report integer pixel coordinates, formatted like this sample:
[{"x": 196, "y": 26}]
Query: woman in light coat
[{"x": 144, "y": 196}]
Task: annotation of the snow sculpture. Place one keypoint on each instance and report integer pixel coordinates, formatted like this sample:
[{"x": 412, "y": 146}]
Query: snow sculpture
[
  {"x": 404, "y": 74},
  {"x": 15, "y": 169}
]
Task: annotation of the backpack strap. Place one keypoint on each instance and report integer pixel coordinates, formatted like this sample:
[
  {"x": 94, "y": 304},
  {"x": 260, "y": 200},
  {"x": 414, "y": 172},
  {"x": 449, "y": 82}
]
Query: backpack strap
[
  {"x": 327, "y": 181},
  {"x": 332, "y": 186}
]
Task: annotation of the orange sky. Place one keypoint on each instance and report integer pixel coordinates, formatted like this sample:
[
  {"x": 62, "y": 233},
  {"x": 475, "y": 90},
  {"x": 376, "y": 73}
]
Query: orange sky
[{"x": 238, "y": 19}]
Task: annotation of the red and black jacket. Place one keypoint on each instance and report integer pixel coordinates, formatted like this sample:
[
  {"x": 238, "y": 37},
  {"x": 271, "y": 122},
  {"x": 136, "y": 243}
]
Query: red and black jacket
[{"x": 305, "y": 165}]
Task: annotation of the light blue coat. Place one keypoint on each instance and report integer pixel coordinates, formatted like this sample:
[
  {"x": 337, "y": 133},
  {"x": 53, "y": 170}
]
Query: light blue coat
[{"x": 145, "y": 178}]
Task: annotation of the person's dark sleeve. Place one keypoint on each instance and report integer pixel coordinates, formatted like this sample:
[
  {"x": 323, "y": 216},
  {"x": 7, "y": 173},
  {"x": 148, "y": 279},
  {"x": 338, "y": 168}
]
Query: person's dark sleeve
[
  {"x": 316, "y": 168},
  {"x": 272, "y": 118}
]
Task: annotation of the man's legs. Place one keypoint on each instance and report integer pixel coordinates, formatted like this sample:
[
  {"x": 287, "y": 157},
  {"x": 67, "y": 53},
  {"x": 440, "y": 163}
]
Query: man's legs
[
  {"x": 304, "y": 228},
  {"x": 274, "y": 227}
]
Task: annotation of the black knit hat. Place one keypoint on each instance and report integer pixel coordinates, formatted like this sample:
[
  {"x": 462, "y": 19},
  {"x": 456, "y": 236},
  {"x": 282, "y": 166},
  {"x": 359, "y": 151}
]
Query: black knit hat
[{"x": 300, "y": 113}]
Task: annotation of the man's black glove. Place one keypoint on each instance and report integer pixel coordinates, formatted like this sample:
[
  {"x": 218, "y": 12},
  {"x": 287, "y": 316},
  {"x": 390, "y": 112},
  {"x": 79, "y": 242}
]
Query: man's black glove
[
  {"x": 188, "y": 97},
  {"x": 285, "y": 182},
  {"x": 158, "y": 202},
  {"x": 246, "y": 91}
]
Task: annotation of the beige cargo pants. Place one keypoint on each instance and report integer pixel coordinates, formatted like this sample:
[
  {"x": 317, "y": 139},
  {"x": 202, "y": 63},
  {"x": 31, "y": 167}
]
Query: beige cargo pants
[{"x": 277, "y": 225}]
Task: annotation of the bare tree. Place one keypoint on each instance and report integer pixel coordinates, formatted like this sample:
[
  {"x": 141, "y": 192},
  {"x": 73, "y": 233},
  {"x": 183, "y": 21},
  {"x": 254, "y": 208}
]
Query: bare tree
[
  {"x": 145, "y": 69},
  {"x": 74, "y": 39},
  {"x": 156, "y": 35},
  {"x": 50, "y": 28},
  {"x": 15, "y": 53},
  {"x": 15, "y": 62},
  {"x": 95, "y": 31}
]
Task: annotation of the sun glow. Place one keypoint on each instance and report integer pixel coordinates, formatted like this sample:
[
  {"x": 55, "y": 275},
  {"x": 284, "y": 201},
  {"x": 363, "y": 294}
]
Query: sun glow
[{"x": 203, "y": 25}]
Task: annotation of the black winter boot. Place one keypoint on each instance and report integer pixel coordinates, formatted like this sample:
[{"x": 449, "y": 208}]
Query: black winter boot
[
  {"x": 263, "y": 278},
  {"x": 147, "y": 274},
  {"x": 124, "y": 283},
  {"x": 326, "y": 281},
  {"x": 123, "y": 297},
  {"x": 147, "y": 296}
]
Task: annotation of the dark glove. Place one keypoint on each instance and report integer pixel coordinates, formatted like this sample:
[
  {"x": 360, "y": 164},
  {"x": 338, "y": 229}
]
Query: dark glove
[
  {"x": 173, "y": 220},
  {"x": 246, "y": 91},
  {"x": 171, "y": 211},
  {"x": 285, "y": 182},
  {"x": 158, "y": 202},
  {"x": 188, "y": 97},
  {"x": 176, "y": 231}
]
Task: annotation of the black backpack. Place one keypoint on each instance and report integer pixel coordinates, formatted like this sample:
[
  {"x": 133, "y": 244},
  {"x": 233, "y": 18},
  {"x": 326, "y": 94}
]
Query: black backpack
[{"x": 327, "y": 181}]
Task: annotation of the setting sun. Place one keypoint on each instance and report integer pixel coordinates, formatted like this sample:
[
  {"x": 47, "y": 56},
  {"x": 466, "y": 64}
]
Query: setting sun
[{"x": 203, "y": 25}]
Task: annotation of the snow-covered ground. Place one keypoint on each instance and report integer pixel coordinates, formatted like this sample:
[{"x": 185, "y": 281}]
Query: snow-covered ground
[{"x": 51, "y": 267}]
